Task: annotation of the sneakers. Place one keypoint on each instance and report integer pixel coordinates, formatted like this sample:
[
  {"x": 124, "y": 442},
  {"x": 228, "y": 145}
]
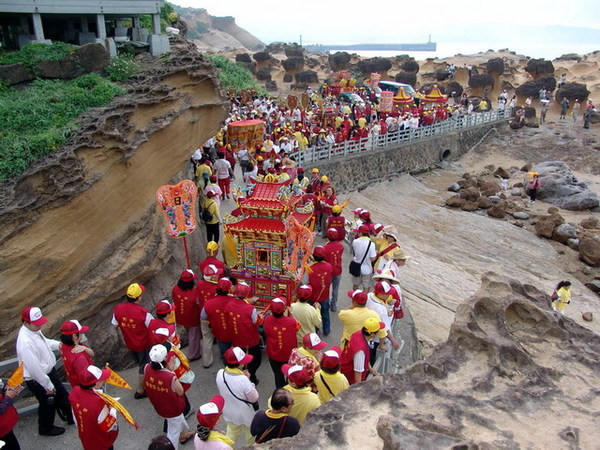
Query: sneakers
[
  {"x": 54, "y": 431},
  {"x": 186, "y": 436},
  {"x": 332, "y": 307}
]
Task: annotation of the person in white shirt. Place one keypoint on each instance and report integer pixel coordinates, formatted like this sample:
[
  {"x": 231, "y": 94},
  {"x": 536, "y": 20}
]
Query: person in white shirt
[
  {"x": 285, "y": 144},
  {"x": 35, "y": 351},
  {"x": 378, "y": 301},
  {"x": 224, "y": 174},
  {"x": 239, "y": 393},
  {"x": 364, "y": 254}
]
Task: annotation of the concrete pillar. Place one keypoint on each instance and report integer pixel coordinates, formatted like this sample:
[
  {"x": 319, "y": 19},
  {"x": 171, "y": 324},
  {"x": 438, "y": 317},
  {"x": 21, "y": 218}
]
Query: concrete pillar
[
  {"x": 136, "y": 22},
  {"x": 101, "y": 25},
  {"x": 38, "y": 29},
  {"x": 155, "y": 23}
]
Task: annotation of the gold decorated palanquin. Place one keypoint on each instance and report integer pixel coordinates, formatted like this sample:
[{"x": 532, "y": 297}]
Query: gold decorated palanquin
[{"x": 271, "y": 239}]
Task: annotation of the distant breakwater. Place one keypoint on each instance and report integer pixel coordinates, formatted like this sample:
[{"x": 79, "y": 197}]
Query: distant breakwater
[{"x": 418, "y": 47}]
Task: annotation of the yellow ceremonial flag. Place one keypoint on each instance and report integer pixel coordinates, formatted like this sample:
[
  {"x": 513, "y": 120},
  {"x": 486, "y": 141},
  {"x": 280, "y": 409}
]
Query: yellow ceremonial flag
[
  {"x": 115, "y": 404},
  {"x": 230, "y": 250},
  {"x": 117, "y": 380},
  {"x": 16, "y": 378},
  {"x": 184, "y": 361},
  {"x": 171, "y": 317}
]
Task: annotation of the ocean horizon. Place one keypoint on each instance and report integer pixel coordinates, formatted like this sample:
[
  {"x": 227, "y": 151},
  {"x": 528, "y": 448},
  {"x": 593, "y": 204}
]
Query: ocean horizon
[{"x": 446, "y": 50}]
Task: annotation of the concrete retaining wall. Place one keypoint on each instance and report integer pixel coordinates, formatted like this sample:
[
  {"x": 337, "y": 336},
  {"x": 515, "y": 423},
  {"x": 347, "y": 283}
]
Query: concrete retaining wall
[{"x": 356, "y": 172}]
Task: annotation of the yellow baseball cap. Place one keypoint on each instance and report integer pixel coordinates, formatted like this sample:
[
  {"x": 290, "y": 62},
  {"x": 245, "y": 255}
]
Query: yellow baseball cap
[
  {"x": 372, "y": 325},
  {"x": 135, "y": 290}
]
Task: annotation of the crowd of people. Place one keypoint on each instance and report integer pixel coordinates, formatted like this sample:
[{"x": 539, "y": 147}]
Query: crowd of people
[{"x": 210, "y": 306}]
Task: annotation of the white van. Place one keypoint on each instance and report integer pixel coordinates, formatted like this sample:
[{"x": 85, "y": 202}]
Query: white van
[{"x": 395, "y": 87}]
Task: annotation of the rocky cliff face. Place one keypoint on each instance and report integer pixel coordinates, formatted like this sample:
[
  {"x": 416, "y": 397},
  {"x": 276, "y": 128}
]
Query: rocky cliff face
[
  {"x": 211, "y": 33},
  {"x": 80, "y": 225},
  {"x": 512, "y": 374}
]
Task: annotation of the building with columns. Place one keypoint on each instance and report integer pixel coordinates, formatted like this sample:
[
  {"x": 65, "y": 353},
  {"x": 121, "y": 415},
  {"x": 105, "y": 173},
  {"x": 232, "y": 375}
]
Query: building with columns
[{"x": 81, "y": 22}]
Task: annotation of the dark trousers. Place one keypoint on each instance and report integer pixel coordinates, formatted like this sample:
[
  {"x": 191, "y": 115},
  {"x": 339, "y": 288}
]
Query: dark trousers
[
  {"x": 47, "y": 409},
  {"x": 10, "y": 441},
  {"x": 279, "y": 377},
  {"x": 255, "y": 363},
  {"x": 373, "y": 353},
  {"x": 533, "y": 194},
  {"x": 223, "y": 346},
  {"x": 212, "y": 232}
]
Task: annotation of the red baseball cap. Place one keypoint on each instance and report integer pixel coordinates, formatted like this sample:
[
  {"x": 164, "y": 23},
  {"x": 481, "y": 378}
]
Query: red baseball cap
[
  {"x": 71, "y": 327},
  {"x": 33, "y": 314},
  {"x": 312, "y": 340},
  {"x": 208, "y": 414},
  {"x": 305, "y": 291},
  {"x": 211, "y": 270},
  {"x": 331, "y": 358},
  {"x": 242, "y": 290},
  {"x": 224, "y": 284},
  {"x": 296, "y": 374},
  {"x": 359, "y": 297},
  {"x": 92, "y": 374},
  {"x": 363, "y": 229},
  {"x": 332, "y": 234},
  {"x": 187, "y": 275},
  {"x": 278, "y": 305},
  {"x": 164, "y": 307},
  {"x": 235, "y": 355},
  {"x": 319, "y": 252},
  {"x": 382, "y": 287}
]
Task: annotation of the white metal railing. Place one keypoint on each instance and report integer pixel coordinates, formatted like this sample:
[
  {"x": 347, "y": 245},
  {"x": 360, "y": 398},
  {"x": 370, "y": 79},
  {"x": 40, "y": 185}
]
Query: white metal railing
[{"x": 392, "y": 139}]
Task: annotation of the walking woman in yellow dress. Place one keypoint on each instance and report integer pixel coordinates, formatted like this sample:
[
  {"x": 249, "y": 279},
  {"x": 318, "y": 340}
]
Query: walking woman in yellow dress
[{"x": 563, "y": 291}]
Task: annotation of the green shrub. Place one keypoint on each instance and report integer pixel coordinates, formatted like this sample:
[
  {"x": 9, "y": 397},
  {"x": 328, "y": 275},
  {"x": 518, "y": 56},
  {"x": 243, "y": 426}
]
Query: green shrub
[
  {"x": 31, "y": 54},
  {"x": 232, "y": 75},
  {"x": 121, "y": 68},
  {"x": 36, "y": 121}
]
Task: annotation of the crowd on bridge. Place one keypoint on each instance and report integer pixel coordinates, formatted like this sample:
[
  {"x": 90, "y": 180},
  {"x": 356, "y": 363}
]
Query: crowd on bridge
[{"x": 332, "y": 121}]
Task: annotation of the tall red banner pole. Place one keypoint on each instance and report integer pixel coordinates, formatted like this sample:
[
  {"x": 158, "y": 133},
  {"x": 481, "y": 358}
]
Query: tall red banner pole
[{"x": 187, "y": 254}]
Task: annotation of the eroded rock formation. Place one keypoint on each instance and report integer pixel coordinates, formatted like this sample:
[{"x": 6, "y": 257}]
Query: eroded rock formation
[
  {"x": 512, "y": 374},
  {"x": 80, "y": 225}
]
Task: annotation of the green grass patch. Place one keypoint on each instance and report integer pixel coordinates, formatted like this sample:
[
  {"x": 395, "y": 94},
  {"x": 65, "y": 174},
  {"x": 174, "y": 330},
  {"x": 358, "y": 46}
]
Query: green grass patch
[
  {"x": 120, "y": 68},
  {"x": 233, "y": 75},
  {"x": 38, "y": 120},
  {"x": 31, "y": 54}
]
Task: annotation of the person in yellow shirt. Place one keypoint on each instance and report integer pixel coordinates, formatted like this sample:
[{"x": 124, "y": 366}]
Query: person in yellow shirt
[
  {"x": 203, "y": 173},
  {"x": 299, "y": 386},
  {"x": 308, "y": 316},
  {"x": 212, "y": 225},
  {"x": 354, "y": 317},
  {"x": 329, "y": 380},
  {"x": 563, "y": 291}
]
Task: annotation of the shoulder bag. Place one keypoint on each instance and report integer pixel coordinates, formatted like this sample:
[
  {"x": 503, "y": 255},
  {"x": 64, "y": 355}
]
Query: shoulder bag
[{"x": 355, "y": 267}]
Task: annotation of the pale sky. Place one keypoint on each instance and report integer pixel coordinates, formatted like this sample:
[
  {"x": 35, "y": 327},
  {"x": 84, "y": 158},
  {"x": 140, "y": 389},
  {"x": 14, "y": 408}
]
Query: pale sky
[{"x": 504, "y": 23}]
